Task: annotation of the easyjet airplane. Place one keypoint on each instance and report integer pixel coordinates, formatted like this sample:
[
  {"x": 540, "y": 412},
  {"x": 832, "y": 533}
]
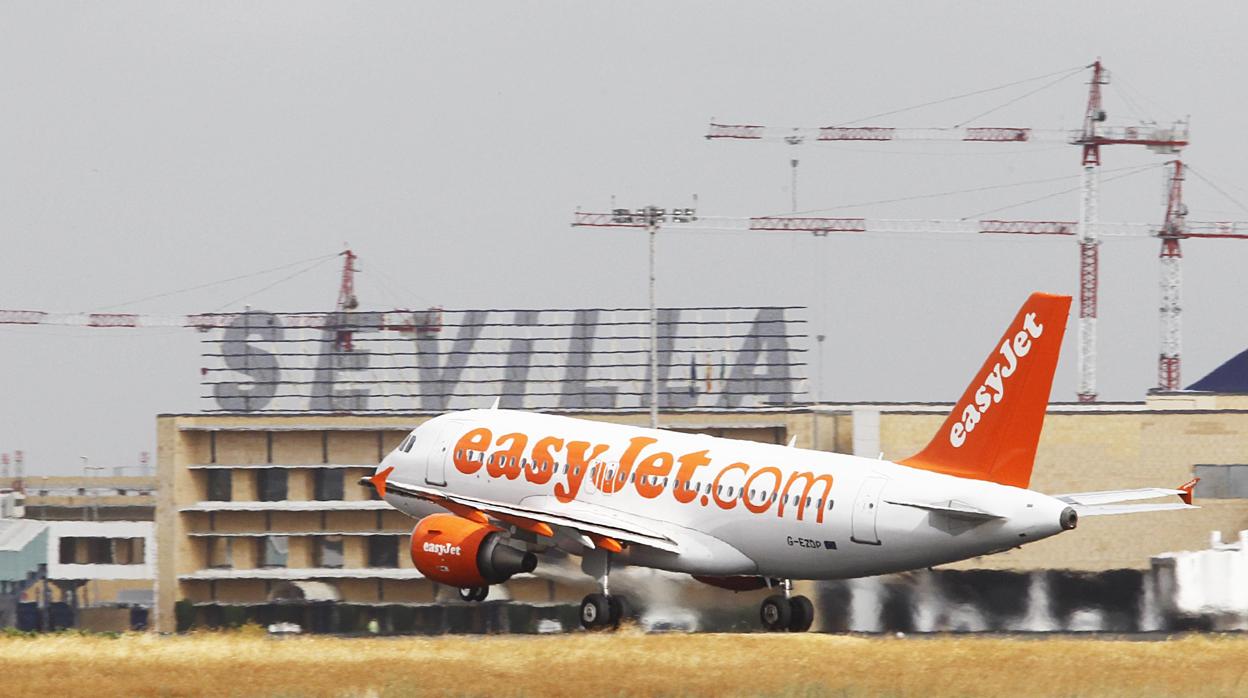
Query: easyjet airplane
[{"x": 496, "y": 489}]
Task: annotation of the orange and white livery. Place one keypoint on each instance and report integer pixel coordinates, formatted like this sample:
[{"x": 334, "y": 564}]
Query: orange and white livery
[{"x": 496, "y": 489}]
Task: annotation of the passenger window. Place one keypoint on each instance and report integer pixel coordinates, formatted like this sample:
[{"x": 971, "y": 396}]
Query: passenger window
[{"x": 829, "y": 505}]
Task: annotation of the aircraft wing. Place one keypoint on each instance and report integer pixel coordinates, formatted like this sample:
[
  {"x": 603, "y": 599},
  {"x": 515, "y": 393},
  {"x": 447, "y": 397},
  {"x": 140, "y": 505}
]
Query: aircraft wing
[
  {"x": 1109, "y": 502},
  {"x": 595, "y": 530}
]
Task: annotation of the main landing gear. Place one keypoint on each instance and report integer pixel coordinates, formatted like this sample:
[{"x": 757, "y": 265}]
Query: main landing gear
[
  {"x": 605, "y": 610},
  {"x": 474, "y": 593},
  {"x": 787, "y": 613},
  {"x": 601, "y": 612}
]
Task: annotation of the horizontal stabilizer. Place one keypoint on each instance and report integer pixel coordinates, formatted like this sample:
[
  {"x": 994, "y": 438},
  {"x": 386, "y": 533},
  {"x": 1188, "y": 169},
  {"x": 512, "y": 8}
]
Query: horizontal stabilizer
[
  {"x": 1109, "y": 502},
  {"x": 1112, "y": 496},
  {"x": 952, "y": 508},
  {"x": 1110, "y": 509}
]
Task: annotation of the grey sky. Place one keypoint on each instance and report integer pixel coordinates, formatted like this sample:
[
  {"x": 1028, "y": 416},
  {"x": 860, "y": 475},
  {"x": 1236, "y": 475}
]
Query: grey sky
[{"x": 151, "y": 146}]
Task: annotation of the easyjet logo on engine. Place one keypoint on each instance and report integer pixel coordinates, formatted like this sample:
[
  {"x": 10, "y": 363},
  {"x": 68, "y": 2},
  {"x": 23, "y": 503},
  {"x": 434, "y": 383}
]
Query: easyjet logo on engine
[
  {"x": 441, "y": 548},
  {"x": 643, "y": 466},
  {"x": 992, "y": 390}
]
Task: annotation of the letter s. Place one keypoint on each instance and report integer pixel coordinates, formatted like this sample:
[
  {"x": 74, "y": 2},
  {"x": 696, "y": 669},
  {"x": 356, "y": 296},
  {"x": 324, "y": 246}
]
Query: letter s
[{"x": 246, "y": 358}]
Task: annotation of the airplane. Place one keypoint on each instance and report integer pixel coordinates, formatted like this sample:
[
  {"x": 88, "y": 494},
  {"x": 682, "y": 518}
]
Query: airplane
[{"x": 495, "y": 489}]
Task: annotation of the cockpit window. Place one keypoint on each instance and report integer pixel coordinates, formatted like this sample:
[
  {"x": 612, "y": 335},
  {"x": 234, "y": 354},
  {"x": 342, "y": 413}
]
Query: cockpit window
[{"x": 406, "y": 446}]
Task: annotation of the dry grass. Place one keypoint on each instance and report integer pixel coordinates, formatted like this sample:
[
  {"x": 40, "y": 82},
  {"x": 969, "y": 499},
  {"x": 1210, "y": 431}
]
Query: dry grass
[{"x": 627, "y": 663}]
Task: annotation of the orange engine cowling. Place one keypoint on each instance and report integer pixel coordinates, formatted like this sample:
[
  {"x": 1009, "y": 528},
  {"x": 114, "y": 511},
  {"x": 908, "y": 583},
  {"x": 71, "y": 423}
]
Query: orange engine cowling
[{"x": 452, "y": 550}]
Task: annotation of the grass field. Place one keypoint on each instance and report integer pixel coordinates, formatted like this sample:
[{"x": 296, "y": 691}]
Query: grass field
[{"x": 627, "y": 663}]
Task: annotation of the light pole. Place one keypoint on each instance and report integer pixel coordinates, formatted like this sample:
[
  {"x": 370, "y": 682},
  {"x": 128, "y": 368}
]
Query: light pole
[
  {"x": 652, "y": 229},
  {"x": 649, "y": 218}
]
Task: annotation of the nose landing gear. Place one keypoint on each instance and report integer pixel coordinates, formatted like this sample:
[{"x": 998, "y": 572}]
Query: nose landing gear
[
  {"x": 474, "y": 593},
  {"x": 787, "y": 613}
]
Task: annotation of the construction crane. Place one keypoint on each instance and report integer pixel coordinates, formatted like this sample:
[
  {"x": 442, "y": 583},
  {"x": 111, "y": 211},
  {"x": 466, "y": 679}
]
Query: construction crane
[
  {"x": 1174, "y": 228},
  {"x": 1090, "y": 138},
  {"x": 346, "y": 300},
  {"x": 406, "y": 321}
]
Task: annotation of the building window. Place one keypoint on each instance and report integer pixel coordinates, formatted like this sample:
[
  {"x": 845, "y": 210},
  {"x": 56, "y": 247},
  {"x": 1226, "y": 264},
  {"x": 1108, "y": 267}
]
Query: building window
[
  {"x": 271, "y": 484},
  {"x": 329, "y": 551},
  {"x": 99, "y": 551},
  {"x": 276, "y": 551},
  {"x": 328, "y": 484},
  {"x": 73, "y": 550},
  {"x": 220, "y": 485},
  {"x": 221, "y": 552},
  {"x": 1222, "y": 481},
  {"x": 383, "y": 551},
  {"x": 68, "y": 553},
  {"x": 128, "y": 551}
]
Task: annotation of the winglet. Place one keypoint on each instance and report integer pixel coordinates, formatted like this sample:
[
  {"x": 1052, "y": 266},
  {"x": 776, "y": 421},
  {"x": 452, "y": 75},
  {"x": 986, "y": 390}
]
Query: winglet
[
  {"x": 792, "y": 442},
  {"x": 1187, "y": 488},
  {"x": 495, "y": 405},
  {"x": 379, "y": 481}
]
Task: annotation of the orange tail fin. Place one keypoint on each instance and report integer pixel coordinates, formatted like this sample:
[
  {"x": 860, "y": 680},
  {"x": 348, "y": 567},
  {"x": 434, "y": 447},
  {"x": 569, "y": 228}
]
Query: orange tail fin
[{"x": 993, "y": 430}]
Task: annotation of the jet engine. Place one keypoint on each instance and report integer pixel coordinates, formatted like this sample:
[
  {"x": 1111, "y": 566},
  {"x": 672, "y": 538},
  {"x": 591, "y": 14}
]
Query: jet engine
[{"x": 452, "y": 550}]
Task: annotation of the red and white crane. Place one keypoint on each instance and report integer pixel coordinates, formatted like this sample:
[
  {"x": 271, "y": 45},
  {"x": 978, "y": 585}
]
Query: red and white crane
[
  {"x": 406, "y": 321},
  {"x": 1090, "y": 138},
  {"x": 1174, "y": 228}
]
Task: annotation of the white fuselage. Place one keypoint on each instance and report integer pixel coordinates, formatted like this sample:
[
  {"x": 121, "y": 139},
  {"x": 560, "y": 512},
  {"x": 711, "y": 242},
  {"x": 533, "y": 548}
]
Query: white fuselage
[{"x": 733, "y": 507}]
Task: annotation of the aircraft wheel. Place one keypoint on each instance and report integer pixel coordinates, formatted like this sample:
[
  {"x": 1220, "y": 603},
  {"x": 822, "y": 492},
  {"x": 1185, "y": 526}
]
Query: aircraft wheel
[
  {"x": 803, "y": 615},
  {"x": 776, "y": 613},
  {"x": 595, "y": 612},
  {"x": 619, "y": 609},
  {"x": 474, "y": 593}
]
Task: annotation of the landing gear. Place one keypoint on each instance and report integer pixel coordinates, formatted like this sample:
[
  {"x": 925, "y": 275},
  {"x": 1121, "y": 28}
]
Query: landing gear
[
  {"x": 776, "y": 613},
  {"x": 474, "y": 593},
  {"x": 603, "y": 611},
  {"x": 787, "y": 613},
  {"x": 599, "y": 612},
  {"x": 803, "y": 614}
]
